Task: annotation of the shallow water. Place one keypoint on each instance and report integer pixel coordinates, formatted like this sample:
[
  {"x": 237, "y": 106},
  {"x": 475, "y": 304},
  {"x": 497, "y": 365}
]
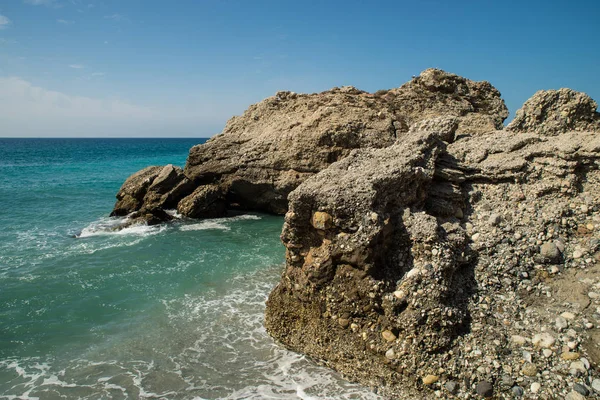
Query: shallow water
[{"x": 172, "y": 311}]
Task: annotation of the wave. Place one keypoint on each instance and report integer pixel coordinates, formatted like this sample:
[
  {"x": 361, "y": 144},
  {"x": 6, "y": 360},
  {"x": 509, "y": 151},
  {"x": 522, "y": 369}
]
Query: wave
[{"x": 110, "y": 226}]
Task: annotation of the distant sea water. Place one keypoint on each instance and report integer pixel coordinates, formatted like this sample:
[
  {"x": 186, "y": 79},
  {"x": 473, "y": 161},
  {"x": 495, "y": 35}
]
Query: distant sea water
[{"x": 164, "y": 312}]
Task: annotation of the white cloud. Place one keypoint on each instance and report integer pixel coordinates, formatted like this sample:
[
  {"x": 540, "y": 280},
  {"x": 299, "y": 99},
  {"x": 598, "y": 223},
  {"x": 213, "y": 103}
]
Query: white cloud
[
  {"x": 76, "y": 66},
  {"x": 29, "y": 110},
  {"x": 98, "y": 74},
  {"x": 4, "y": 22},
  {"x": 116, "y": 17},
  {"x": 49, "y": 3},
  {"x": 7, "y": 41},
  {"x": 65, "y": 22}
]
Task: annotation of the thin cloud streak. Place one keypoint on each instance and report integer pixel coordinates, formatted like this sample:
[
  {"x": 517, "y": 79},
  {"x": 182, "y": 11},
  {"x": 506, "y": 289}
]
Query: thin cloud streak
[
  {"x": 76, "y": 66},
  {"x": 65, "y": 22},
  {"x": 117, "y": 17},
  {"x": 47, "y": 3},
  {"x": 4, "y": 22}
]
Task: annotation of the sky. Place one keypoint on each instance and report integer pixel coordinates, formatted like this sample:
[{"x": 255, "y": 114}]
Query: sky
[{"x": 158, "y": 68}]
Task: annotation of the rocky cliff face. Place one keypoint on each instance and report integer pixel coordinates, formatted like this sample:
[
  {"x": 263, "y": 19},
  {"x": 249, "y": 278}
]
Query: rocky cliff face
[
  {"x": 264, "y": 154},
  {"x": 413, "y": 268},
  {"x": 429, "y": 252}
]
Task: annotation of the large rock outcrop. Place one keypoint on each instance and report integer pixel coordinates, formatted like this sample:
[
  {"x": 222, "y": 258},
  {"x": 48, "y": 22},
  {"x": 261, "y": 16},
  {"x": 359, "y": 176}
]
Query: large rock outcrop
[
  {"x": 422, "y": 241},
  {"x": 550, "y": 112},
  {"x": 399, "y": 260},
  {"x": 264, "y": 154}
]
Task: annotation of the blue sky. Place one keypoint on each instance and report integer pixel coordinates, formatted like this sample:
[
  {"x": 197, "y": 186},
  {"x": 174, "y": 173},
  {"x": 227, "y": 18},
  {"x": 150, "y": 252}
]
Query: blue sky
[{"x": 182, "y": 68}]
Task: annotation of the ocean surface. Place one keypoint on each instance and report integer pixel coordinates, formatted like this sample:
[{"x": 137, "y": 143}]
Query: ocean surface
[{"x": 164, "y": 312}]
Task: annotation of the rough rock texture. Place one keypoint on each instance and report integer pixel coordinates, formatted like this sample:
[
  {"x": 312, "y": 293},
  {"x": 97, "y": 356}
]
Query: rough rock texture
[
  {"x": 410, "y": 267},
  {"x": 206, "y": 201},
  {"x": 429, "y": 254},
  {"x": 130, "y": 197},
  {"x": 264, "y": 154},
  {"x": 550, "y": 112},
  {"x": 477, "y": 105}
]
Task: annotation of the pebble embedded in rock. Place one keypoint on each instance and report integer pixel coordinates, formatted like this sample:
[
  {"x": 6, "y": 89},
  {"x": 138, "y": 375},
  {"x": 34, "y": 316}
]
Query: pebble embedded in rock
[
  {"x": 451, "y": 387},
  {"x": 485, "y": 389},
  {"x": 547, "y": 353},
  {"x": 596, "y": 385},
  {"x": 517, "y": 391},
  {"x": 579, "y": 388},
  {"x": 495, "y": 219},
  {"x": 430, "y": 379},
  {"x": 507, "y": 381},
  {"x": 577, "y": 367},
  {"x": 529, "y": 369},
  {"x": 388, "y": 335},
  {"x": 343, "y": 322},
  {"x": 544, "y": 340},
  {"x": 520, "y": 340},
  {"x": 535, "y": 387},
  {"x": 561, "y": 323},
  {"x": 570, "y": 355},
  {"x": 577, "y": 254},
  {"x": 550, "y": 253},
  {"x": 390, "y": 354},
  {"x": 574, "y": 396},
  {"x": 568, "y": 315}
]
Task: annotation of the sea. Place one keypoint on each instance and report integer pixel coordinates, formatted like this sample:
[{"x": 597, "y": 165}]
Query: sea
[{"x": 173, "y": 311}]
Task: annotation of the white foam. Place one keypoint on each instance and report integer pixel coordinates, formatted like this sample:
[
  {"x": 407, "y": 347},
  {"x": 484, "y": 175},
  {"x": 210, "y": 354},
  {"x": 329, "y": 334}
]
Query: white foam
[
  {"x": 204, "y": 225},
  {"x": 218, "y": 223},
  {"x": 109, "y": 227}
]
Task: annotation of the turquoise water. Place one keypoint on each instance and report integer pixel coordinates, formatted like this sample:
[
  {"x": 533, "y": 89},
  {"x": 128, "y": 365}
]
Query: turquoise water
[{"x": 171, "y": 312}]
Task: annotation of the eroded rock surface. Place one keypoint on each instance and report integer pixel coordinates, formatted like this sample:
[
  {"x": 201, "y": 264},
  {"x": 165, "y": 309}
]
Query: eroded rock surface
[
  {"x": 550, "y": 112},
  {"x": 264, "y": 154},
  {"x": 430, "y": 254},
  {"x": 407, "y": 264}
]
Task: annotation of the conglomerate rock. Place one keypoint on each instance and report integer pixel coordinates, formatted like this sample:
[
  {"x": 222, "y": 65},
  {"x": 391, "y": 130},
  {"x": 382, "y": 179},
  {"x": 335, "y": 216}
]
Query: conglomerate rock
[
  {"x": 550, "y": 112},
  {"x": 429, "y": 254},
  {"x": 264, "y": 154},
  {"x": 392, "y": 255}
]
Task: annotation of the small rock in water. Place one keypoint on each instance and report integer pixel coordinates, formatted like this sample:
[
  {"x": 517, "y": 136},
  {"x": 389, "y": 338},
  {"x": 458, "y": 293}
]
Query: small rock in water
[
  {"x": 451, "y": 387},
  {"x": 430, "y": 379},
  {"x": 535, "y": 387},
  {"x": 485, "y": 389},
  {"x": 517, "y": 391},
  {"x": 579, "y": 388}
]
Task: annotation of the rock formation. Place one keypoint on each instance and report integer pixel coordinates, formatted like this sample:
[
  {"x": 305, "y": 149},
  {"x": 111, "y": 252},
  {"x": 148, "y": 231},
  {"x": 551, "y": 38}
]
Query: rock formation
[
  {"x": 264, "y": 154},
  {"x": 429, "y": 253},
  {"x": 550, "y": 112}
]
